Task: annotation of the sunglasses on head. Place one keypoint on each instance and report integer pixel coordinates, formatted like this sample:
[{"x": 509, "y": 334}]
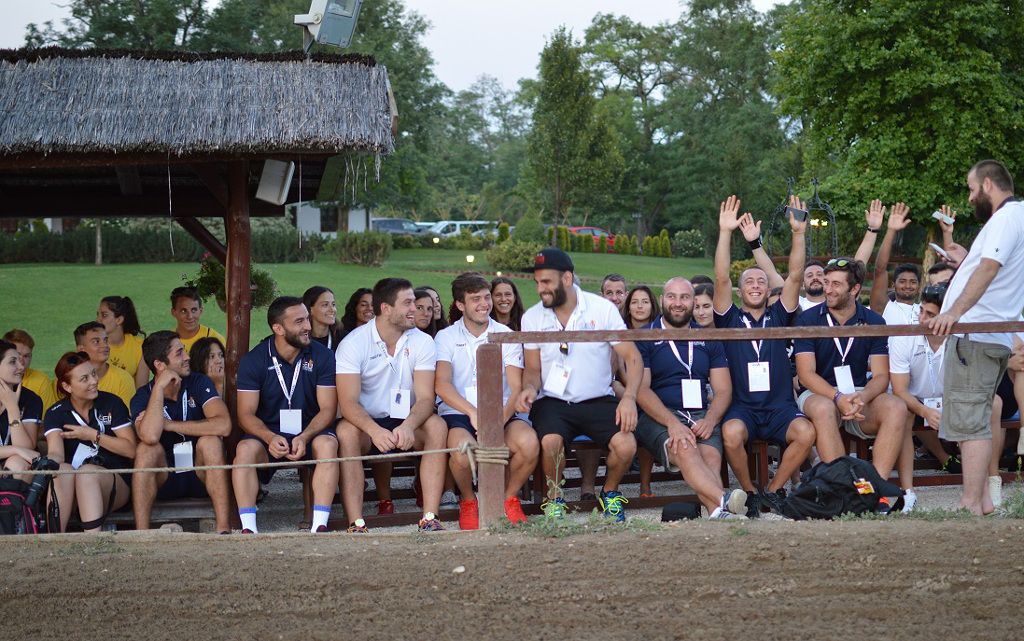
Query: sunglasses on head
[{"x": 839, "y": 262}]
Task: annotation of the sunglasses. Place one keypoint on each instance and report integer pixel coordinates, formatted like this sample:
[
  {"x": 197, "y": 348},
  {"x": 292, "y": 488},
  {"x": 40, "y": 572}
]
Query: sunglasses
[
  {"x": 839, "y": 262},
  {"x": 564, "y": 348}
]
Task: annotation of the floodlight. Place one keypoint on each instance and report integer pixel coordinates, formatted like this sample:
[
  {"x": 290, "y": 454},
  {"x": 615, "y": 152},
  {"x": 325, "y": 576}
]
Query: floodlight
[{"x": 329, "y": 22}]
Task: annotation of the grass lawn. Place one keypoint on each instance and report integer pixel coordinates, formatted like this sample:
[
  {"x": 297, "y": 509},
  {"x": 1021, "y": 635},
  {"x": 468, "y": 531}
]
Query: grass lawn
[{"x": 50, "y": 300}]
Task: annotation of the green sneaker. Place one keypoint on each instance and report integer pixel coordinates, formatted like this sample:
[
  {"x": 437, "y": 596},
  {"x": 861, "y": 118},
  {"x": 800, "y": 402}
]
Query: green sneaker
[
  {"x": 613, "y": 505},
  {"x": 554, "y": 508}
]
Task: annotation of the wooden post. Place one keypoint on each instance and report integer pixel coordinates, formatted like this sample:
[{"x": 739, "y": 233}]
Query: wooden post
[
  {"x": 237, "y": 277},
  {"x": 491, "y": 432},
  {"x": 99, "y": 242}
]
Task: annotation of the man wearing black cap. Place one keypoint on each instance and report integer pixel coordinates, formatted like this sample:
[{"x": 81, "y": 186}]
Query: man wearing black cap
[{"x": 567, "y": 386}]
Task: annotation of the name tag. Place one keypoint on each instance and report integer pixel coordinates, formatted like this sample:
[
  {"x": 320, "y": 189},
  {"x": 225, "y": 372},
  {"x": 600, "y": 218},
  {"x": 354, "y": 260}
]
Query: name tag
[
  {"x": 290, "y": 422},
  {"x": 470, "y": 395},
  {"x": 183, "y": 454},
  {"x": 399, "y": 403},
  {"x": 844, "y": 379},
  {"x": 934, "y": 403},
  {"x": 83, "y": 452},
  {"x": 557, "y": 380},
  {"x": 759, "y": 377},
  {"x": 692, "y": 394}
]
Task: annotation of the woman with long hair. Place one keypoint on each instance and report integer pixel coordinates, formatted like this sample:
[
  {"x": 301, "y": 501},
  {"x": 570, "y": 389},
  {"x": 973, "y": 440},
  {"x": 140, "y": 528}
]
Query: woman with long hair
[
  {"x": 439, "y": 318},
  {"x": 703, "y": 307},
  {"x": 21, "y": 409},
  {"x": 323, "y": 316},
  {"x": 426, "y": 320},
  {"x": 358, "y": 310},
  {"x": 89, "y": 430},
  {"x": 640, "y": 308},
  {"x": 118, "y": 316},
  {"x": 207, "y": 357},
  {"x": 508, "y": 306}
]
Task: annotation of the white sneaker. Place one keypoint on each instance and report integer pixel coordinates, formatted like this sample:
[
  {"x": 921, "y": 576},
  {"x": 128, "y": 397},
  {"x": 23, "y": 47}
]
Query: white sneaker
[
  {"x": 995, "y": 490},
  {"x": 448, "y": 499},
  {"x": 735, "y": 502},
  {"x": 909, "y": 501},
  {"x": 721, "y": 514}
]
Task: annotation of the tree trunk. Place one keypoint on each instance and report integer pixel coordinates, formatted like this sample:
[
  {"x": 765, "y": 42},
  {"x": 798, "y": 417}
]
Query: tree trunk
[{"x": 99, "y": 242}]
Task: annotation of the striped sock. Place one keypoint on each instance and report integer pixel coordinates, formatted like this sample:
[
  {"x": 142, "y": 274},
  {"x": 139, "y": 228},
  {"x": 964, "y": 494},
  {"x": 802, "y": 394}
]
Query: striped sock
[
  {"x": 321, "y": 513},
  {"x": 248, "y": 517}
]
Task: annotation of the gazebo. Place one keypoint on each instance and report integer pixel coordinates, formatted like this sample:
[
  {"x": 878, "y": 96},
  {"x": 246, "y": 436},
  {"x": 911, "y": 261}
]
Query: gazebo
[{"x": 104, "y": 133}]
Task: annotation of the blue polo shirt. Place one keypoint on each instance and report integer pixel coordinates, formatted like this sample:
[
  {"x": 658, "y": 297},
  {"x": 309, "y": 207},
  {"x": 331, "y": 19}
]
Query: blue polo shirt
[
  {"x": 256, "y": 373},
  {"x": 30, "y": 407},
  {"x": 826, "y": 353},
  {"x": 667, "y": 371},
  {"x": 773, "y": 352},
  {"x": 197, "y": 389},
  {"x": 108, "y": 415}
]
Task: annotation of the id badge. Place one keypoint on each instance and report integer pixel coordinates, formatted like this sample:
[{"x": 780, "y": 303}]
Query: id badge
[
  {"x": 692, "y": 394},
  {"x": 557, "y": 380},
  {"x": 935, "y": 404},
  {"x": 82, "y": 453},
  {"x": 759, "y": 377},
  {"x": 470, "y": 395},
  {"x": 844, "y": 379},
  {"x": 290, "y": 422},
  {"x": 399, "y": 403},
  {"x": 183, "y": 454}
]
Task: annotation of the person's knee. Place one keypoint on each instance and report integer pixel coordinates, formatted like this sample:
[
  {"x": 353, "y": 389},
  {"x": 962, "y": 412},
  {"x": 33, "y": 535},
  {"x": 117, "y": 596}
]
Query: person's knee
[
  {"x": 435, "y": 430},
  {"x": 819, "y": 409},
  {"x": 248, "y": 451},
  {"x": 210, "y": 449},
  {"x": 801, "y": 432},
  {"x": 325, "y": 446},
  {"x": 622, "y": 444},
  {"x": 734, "y": 434},
  {"x": 524, "y": 442},
  {"x": 551, "y": 443}
]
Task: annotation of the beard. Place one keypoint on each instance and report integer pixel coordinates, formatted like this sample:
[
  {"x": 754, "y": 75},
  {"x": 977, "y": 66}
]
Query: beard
[
  {"x": 683, "y": 319},
  {"x": 983, "y": 207},
  {"x": 296, "y": 339},
  {"x": 559, "y": 297},
  {"x": 815, "y": 290}
]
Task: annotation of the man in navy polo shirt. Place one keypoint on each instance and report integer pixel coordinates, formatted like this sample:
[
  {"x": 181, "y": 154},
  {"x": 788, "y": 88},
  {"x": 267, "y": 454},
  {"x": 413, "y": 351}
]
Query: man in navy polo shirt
[
  {"x": 677, "y": 426},
  {"x": 763, "y": 405},
  {"x": 834, "y": 373},
  {"x": 286, "y": 406},
  {"x": 180, "y": 421}
]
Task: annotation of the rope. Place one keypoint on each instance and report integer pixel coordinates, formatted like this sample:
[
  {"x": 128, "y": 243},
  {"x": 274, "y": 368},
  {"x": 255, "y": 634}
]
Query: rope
[{"x": 495, "y": 455}]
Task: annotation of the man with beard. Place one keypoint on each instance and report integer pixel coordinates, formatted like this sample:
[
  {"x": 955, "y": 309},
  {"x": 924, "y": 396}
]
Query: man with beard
[
  {"x": 455, "y": 382},
  {"x": 286, "y": 407},
  {"x": 677, "y": 426},
  {"x": 906, "y": 278},
  {"x": 834, "y": 374},
  {"x": 180, "y": 420},
  {"x": 567, "y": 386},
  {"x": 385, "y": 379},
  {"x": 985, "y": 288},
  {"x": 763, "y": 405}
]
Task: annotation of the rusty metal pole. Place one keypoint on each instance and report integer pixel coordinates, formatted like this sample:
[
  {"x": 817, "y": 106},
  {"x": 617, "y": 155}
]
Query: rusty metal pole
[{"x": 491, "y": 432}]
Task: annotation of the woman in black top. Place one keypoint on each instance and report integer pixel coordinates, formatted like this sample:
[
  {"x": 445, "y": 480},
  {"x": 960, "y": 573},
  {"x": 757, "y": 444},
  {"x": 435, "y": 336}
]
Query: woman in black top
[
  {"x": 20, "y": 411},
  {"x": 90, "y": 430},
  {"x": 323, "y": 316},
  {"x": 358, "y": 310}
]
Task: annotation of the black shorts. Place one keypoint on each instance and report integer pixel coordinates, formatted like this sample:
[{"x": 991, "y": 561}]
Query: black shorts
[
  {"x": 182, "y": 485},
  {"x": 267, "y": 473},
  {"x": 387, "y": 423},
  {"x": 594, "y": 418},
  {"x": 461, "y": 421}
]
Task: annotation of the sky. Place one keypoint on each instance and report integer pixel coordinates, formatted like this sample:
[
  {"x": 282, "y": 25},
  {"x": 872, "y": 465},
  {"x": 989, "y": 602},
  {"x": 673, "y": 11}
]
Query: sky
[{"x": 468, "y": 38}]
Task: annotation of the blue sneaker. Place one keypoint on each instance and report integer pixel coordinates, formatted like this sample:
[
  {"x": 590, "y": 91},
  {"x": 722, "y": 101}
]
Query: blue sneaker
[
  {"x": 554, "y": 508},
  {"x": 613, "y": 505}
]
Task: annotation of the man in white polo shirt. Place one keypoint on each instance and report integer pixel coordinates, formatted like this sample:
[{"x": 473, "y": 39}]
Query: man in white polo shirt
[
  {"x": 385, "y": 380},
  {"x": 455, "y": 382},
  {"x": 567, "y": 386},
  {"x": 985, "y": 288}
]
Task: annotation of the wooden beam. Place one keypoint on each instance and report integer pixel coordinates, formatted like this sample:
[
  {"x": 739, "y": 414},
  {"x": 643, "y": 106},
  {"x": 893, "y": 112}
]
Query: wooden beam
[
  {"x": 109, "y": 203},
  {"x": 237, "y": 278},
  {"x": 491, "y": 476},
  {"x": 128, "y": 180},
  {"x": 197, "y": 230}
]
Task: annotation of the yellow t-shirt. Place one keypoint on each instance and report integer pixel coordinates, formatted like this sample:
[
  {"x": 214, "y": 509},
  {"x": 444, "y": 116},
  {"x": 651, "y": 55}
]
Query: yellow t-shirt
[
  {"x": 42, "y": 385},
  {"x": 120, "y": 383},
  {"x": 127, "y": 355},
  {"x": 203, "y": 332}
]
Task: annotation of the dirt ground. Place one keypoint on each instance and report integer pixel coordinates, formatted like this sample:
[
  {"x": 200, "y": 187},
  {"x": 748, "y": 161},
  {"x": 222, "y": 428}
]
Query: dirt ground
[{"x": 903, "y": 579}]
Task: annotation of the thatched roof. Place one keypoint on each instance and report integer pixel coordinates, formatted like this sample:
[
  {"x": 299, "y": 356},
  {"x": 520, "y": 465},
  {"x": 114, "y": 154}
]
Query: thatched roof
[{"x": 61, "y": 101}]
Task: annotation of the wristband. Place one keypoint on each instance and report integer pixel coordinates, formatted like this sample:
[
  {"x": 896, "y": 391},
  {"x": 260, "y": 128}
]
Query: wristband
[
  {"x": 754, "y": 244},
  {"x": 835, "y": 399},
  {"x": 875, "y": 230}
]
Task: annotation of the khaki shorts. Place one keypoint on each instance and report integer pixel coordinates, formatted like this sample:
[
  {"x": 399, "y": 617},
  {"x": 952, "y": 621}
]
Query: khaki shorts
[
  {"x": 972, "y": 373},
  {"x": 851, "y": 427}
]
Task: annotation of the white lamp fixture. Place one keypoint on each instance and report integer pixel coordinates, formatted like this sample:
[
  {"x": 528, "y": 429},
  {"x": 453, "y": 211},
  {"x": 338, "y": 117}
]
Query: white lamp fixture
[{"x": 329, "y": 22}]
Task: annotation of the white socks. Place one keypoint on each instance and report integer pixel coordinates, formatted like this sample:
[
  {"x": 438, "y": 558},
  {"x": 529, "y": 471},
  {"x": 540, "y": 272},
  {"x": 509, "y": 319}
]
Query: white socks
[
  {"x": 248, "y": 517},
  {"x": 321, "y": 513},
  {"x": 995, "y": 489}
]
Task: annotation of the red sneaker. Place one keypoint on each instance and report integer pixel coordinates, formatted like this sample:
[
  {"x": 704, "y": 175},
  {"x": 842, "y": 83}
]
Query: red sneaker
[
  {"x": 386, "y": 506},
  {"x": 514, "y": 510},
  {"x": 469, "y": 515}
]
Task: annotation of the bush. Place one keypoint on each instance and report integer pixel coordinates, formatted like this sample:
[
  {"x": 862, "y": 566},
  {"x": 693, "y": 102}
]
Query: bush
[
  {"x": 602, "y": 245},
  {"x": 514, "y": 255},
  {"x": 503, "y": 234},
  {"x": 552, "y": 232},
  {"x": 665, "y": 244},
  {"x": 530, "y": 229},
  {"x": 408, "y": 241},
  {"x": 688, "y": 243},
  {"x": 649, "y": 247},
  {"x": 369, "y": 248},
  {"x": 738, "y": 267}
]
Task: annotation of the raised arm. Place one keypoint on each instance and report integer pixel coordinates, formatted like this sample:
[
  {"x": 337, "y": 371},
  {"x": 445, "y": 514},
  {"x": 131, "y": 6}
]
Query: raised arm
[
  {"x": 728, "y": 221},
  {"x": 797, "y": 257},
  {"x": 752, "y": 234},
  {"x": 874, "y": 216},
  {"x": 898, "y": 221}
]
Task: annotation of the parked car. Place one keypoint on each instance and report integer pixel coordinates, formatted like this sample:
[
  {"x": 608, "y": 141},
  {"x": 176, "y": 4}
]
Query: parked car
[
  {"x": 447, "y": 228},
  {"x": 396, "y": 226},
  {"x": 596, "y": 233}
]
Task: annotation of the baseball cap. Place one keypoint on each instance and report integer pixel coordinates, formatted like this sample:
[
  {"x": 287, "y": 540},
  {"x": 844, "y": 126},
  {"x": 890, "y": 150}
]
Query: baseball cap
[{"x": 553, "y": 258}]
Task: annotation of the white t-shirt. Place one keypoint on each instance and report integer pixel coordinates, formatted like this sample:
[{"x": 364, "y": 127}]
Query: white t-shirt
[
  {"x": 913, "y": 355},
  {"x": 897, "y": 313},
  {"x": 1001, "y": 240},
  {"x": 589, "y": 364},
  {"x": 365, "y": 353},
  {"x": 807, "y": 304},
  {"x": 456, "y": 345}
]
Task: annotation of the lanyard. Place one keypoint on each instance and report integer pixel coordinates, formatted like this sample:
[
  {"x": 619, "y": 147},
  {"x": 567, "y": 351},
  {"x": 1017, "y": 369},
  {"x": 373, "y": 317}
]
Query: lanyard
[
  {"x": 81, "y": 422},
  {"x": 688, "y": 364},
  {"x": 757, "y": 344},
  {"x": 280, "y": 377},
  {"x": 849, "y": 344},
  {"x": 399, "y": 354},
  {"x": 184, "y": 406},
  {"x": 471, "y": 347},
  {"x": 931, "y": 366}
]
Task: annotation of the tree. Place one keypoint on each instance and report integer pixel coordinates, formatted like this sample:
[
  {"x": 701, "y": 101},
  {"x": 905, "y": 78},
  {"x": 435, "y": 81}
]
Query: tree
[
  {"x": 899, "y": 99},
  {"x": 572, "y": 153},
  {"x": 124, "y": 24}
]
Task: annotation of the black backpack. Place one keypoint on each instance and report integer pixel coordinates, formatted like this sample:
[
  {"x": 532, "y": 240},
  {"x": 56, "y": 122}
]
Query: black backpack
[
  {"x": 846, "y": 485},
  {"x": 23, "y": 508}
]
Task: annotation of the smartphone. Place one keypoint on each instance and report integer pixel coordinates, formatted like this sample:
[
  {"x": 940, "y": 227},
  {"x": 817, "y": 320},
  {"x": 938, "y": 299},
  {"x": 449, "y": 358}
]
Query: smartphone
[
  {"x": 796, "y": 213},
  {"x": 938, "y": 215},
  {"x": 938, "y": 250}
]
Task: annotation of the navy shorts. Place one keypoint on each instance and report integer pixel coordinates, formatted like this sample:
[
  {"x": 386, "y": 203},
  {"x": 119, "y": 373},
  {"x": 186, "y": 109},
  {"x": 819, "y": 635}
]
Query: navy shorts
[
  {"x": 594, "y": 418},
  {"x": 267, "y": 473},
  {"x": 766, "y": 423},
  {"x": 461, "y": 421},
  {"x": 182, "y": 485}
]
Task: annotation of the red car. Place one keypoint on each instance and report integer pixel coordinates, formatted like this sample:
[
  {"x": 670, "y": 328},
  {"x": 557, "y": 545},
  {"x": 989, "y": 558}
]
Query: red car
[{"x": 596, "y": 233}]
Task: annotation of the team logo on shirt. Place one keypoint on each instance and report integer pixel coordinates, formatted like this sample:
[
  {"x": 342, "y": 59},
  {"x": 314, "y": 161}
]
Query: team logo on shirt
[
  {"x": 105, "y": 419},
  {"x": 192, "y": 401},
  {"x": 307, "y": 365}
]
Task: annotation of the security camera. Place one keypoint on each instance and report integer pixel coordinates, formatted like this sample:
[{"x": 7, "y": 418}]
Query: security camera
[{"x": 329, "y": 22}]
